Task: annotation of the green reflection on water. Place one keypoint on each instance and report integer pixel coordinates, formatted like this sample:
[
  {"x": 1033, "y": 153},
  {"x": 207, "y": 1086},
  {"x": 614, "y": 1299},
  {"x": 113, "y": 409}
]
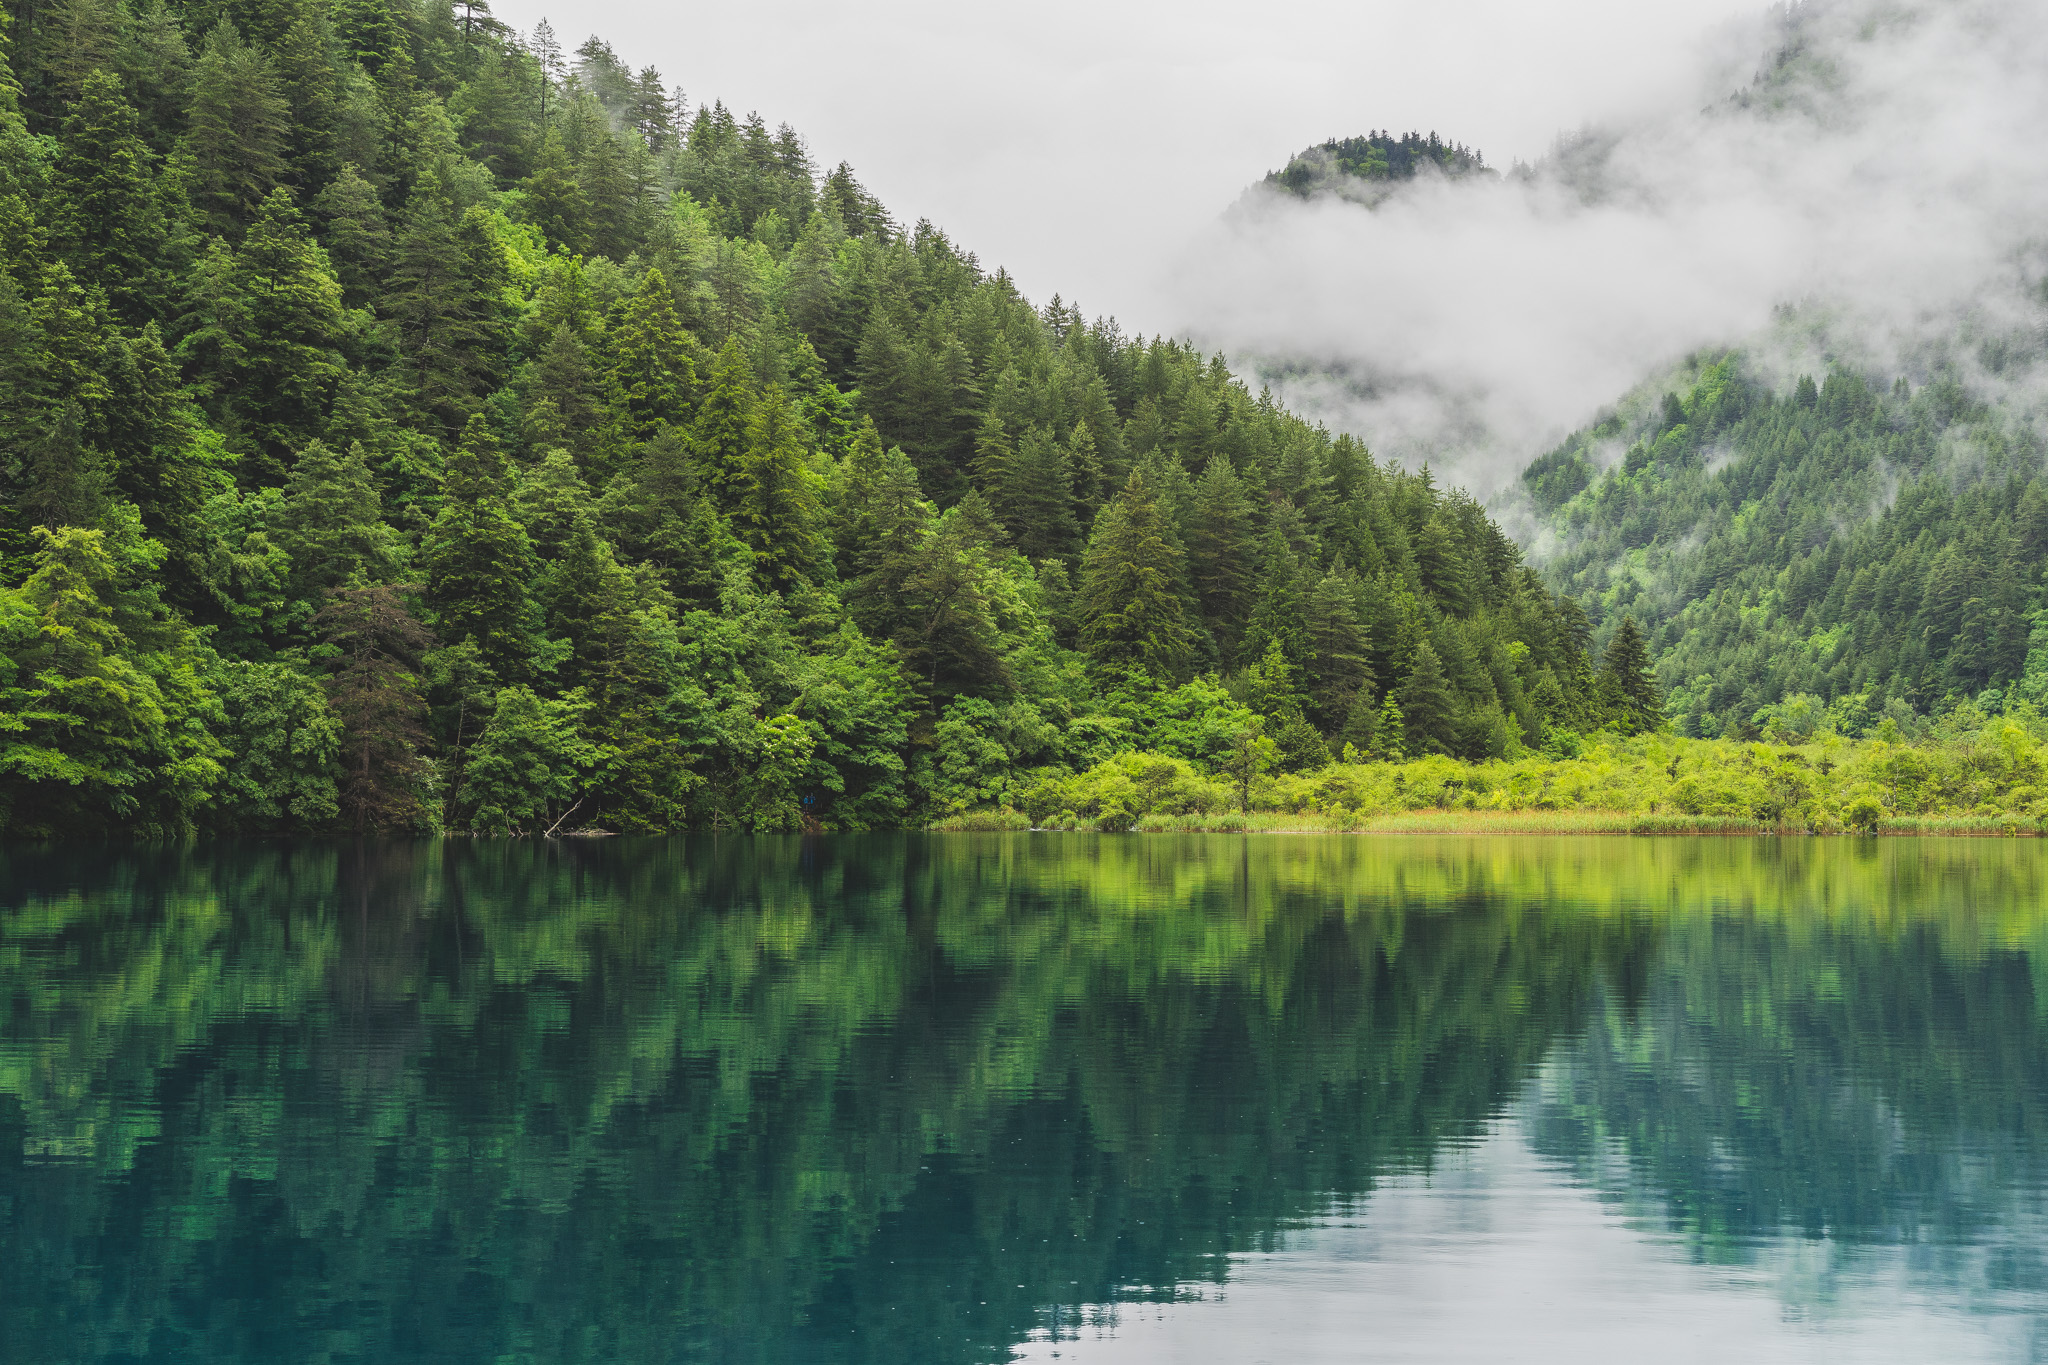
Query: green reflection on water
[{"x": 902, "y": 1098}]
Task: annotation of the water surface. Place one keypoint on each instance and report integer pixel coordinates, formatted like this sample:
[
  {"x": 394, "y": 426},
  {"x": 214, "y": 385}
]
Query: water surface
[{"x": 966, "y": 1098}]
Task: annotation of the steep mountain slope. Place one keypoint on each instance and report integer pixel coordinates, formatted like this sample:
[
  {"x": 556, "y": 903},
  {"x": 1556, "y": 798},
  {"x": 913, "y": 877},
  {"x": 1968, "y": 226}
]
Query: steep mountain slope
[
  {"x": 405, "y": 425},
  {"x": 1873, "y": 548}
]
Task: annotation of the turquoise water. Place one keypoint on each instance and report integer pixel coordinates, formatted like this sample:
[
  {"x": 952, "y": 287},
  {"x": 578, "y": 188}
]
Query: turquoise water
[{"x": 974, "y": 1098}]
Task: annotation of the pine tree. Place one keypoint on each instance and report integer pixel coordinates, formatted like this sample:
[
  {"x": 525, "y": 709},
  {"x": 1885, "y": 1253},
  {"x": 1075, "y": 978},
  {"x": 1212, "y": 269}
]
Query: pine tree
[
  {"x": 446, "y": 295},
  {"x": 720, "y": 434},
  {"x": 1219, "y": 548},
  {"x": 357, "y": 234},
  {"x": 946, "y": 631},
  {"x": 651, "y": 375},
  {"x": 1428, "y": 712},
  {"x": 105, "y": 219},
  {"x": 993, "y": 455},
  {"x": 239, "y": 125},
  {"x": 1130, "y": 605},
  {"x": 1038, "y": 500},
  {"x": 265, "y": 329},
  {"x": 374, "y": 689},
  {"x": 332, "y": 523},
  {"x": 1338, "y": 667},
  {"x": 1390, "y": 732},
  {"x": 307, "y": 80},
  {"x": 1280, "y": 612},
  {"x": 551, "y": 198},
  {"x": 479, "y": 561},
  {"x": 1626, "y": 676},
  {"x": 778, "y": 512}
]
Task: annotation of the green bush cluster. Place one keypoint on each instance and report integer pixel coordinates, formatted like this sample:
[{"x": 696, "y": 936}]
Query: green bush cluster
[{"x": 1971, "y": 771}]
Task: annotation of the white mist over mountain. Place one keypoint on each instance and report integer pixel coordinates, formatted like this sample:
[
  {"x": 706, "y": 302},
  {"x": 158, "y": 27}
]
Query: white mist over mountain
[
  {"x": 1080, "y": 143},
  {"x": 1886, "y": 172}
]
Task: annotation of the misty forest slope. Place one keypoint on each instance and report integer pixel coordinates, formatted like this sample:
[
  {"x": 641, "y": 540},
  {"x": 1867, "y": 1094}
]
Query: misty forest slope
[
  {"x": 1868, "y": 538},
  {"x": 407, "y": 426},
  {"x": 1841, "y": 545}
]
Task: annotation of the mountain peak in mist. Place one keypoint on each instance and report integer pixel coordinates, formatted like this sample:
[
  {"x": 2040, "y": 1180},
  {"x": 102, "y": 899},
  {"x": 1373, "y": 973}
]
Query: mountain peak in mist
[{"x": 1368, "y": 168}]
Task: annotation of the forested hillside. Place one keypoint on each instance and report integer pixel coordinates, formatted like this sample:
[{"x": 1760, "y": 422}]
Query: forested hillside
[
  {"x": 1824, "y": 556},
  {"x": 407, "y": 426}
]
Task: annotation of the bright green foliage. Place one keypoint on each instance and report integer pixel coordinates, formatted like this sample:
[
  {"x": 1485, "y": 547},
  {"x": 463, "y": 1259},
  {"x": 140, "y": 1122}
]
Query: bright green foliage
[
  {"x": 103, "y": 718},
  {"x": 778, "y": 513},
  {"x": 1272, "y": 689},
  {"x": 532, "y": 767},
  {"x": 1842, "y": 540},
  {"x": 651, "y": 378},
  {"x": 283, "y": 751},
  {"x": 463, "y": 386},
  {"x": 721, "y": 437}
]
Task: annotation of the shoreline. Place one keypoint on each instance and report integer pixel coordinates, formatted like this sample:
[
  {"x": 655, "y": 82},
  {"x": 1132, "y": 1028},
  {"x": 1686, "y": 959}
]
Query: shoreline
[{"x": 1495, "y": 822}]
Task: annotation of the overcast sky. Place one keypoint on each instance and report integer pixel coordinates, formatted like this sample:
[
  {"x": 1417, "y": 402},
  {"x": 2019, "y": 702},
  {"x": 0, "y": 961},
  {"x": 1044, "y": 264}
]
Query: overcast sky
[{"x": 1077, "y": 142}]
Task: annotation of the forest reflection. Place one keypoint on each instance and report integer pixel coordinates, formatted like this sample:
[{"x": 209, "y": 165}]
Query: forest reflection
[{"x": 910, "y": 1098}]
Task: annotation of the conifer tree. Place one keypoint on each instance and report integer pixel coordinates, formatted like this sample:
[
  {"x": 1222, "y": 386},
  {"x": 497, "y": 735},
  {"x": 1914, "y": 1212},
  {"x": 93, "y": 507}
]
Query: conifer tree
[
  {"x": 1130, "y": 604},
  {"x": 266, "y": 327},
  {"x": 479, "y": 561},
  {"x": 1338, "y": 667},
  {"x": 552, "y": 199},
  {"x": 1038, "y": 498},
  {"x": 778, "y": 511},
  {"x": 1280, "y": 611},
  {"x": 446, "y": 296},
  {"x": 720, "y": 434},
  {"x": 239, "y": 126},
  {"x": 1219, "y": 551},
  {"x": 1626, "y": 678},
  {"x": 1428, "y": 712},
  {"x": 331, "y": 523},
  {"x": 651, "y": 374},
  {"x": 105, "y": 219},
  {"x": 374, "y": 690},
  {"x": 357, "y": 233}
]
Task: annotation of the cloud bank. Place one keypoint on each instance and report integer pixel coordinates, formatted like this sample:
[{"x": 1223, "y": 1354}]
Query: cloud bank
[{"x": 1879, "y": 165}]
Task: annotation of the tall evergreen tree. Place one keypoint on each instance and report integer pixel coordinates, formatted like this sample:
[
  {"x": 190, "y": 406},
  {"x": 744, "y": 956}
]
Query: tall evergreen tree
[
  {"x": 1131, "y": 613},
  {"x": 1627, "y": 682},
  {"x": 479, "y": 561},
  {"x": 1219, "y": 553},
  {"x": 779, "y": 512},
  {"x": 266, "y": 326},
  {"x": 721, "y": 434},
  {"x": 240, "y": 123},
  {"x": 374, "y": 690},
  {"x": 105, "y": 219},
  {"x": 651, "y": 375},
  {"x": 1428, "y": 711}
]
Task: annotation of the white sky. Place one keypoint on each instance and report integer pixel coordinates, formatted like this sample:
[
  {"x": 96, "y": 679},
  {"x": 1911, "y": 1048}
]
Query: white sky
[{"x": 1079, "y": 142}]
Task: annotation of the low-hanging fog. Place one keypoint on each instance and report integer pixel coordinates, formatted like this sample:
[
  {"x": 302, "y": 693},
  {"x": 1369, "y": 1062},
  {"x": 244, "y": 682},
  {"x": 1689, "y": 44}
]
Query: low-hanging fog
[
  {"x": 1890, "y": 178},
  {"x": 1881, "y": 184}
]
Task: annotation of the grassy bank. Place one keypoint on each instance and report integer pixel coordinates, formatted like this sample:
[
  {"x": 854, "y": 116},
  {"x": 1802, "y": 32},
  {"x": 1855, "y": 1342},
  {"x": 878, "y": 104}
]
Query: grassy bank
[{"x": 1984, "y": 776}]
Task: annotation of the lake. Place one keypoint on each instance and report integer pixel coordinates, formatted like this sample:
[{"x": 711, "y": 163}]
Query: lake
[{"x": 927, "y": 1099}]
